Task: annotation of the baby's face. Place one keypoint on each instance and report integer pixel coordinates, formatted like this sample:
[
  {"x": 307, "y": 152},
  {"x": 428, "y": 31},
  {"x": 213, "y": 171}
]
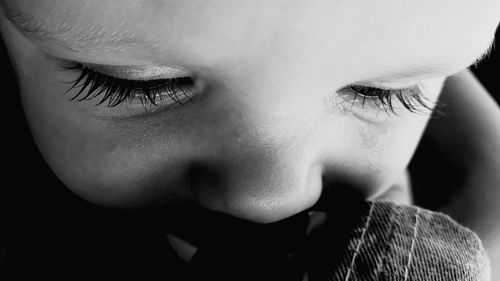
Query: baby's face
[{"x": 272, "y": 120}]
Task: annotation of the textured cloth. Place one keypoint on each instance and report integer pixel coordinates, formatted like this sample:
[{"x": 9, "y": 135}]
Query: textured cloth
[
  {"x": 402, "y": 243},
  {"x": 376, "y": 240}
]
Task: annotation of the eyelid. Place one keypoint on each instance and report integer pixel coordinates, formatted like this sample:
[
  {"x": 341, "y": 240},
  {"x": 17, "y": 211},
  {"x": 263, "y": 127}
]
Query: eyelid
[
  {"x": 140, "y": 72},
  {"x": 152, "y": 95},
  {"x": 393, "y": 85},
  {"x": 391, "y": 101}
]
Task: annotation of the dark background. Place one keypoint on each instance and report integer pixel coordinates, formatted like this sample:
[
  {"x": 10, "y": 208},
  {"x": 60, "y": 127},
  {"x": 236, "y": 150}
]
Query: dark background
[
  {"x": 41, "y": 221},
  {"x": 488, "y": 71}
]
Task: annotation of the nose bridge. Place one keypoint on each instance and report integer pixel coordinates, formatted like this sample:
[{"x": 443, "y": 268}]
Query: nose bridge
[
  {"x": 273, "y": 142},
  {"x": 261, "y": 146},
  {"x": 256, "y": 153}
]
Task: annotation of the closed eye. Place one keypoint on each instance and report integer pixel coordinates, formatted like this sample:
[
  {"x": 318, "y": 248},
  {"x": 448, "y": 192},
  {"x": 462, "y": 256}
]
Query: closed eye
[
  {"x": 112, "y": 91},
  {"x": 388, "y": 100}
]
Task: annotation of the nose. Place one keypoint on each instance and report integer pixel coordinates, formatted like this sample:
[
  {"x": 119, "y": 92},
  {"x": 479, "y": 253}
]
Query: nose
[
  {"x": 261, "y": 184},
  {"x": 262, "y": 173}
]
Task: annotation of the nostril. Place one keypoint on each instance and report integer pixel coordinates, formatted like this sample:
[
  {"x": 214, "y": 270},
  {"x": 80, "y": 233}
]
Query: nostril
[
  {"x": 336, "y": 193},
  {"x": 207, "y": 184},
  {"x": 201, "y": 176}
]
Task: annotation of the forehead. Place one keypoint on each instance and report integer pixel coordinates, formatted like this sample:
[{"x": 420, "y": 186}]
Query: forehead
[{"x": 388, "y": 35}]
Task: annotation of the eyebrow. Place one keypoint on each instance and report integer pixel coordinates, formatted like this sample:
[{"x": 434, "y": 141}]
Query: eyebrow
[
  {"x": 439, "y": 70},
  {"x": 64, "y": 34}
]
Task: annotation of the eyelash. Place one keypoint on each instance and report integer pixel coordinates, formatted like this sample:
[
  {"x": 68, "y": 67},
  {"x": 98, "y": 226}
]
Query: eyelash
[
  {"x": 115, "y": 91},
  {"x": 411, "y": 99}
]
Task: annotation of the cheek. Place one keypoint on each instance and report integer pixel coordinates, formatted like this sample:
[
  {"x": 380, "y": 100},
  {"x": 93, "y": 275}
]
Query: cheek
[
  {"x": 370, "y": 157},
  {"x": 392, "y": 152},
  {"x": 120, "y": 163},
  {"x": 374, "y": 155},
  {"x": 103, "y": 165}
]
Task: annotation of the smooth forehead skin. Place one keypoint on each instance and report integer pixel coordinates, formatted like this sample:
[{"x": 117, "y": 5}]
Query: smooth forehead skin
[
  {"x": 426, "y": 37},
  {"x": 258, "y": 143}
]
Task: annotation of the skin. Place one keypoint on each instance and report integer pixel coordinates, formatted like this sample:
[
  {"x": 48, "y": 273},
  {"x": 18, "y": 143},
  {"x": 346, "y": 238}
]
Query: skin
[{"x": 269, "y": 130}]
